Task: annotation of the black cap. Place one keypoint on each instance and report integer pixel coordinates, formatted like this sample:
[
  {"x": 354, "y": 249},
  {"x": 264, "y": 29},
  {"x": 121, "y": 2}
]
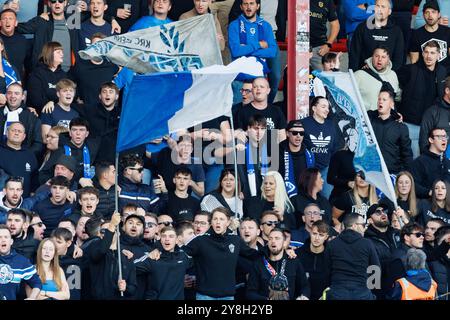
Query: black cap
[
  {"x": 431, "y": 4},
  {"x": 361, "y": 174},
  {"x": 141, "y": 218},
  {"x": 374, "y": 208},
  {"x": 68, "y": 162},
  {"x": 294, "y": 124}
]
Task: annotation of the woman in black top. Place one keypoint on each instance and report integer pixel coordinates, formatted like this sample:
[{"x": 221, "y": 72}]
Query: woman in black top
[
  {"x": 439, "y": 206},
  {"x": 310, "y": 186}
]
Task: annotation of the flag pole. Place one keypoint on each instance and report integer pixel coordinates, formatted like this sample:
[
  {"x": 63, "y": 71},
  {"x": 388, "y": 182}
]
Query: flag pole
[
  {"x": 116, "y": 207},
  {"x": 236, "y": 191}
]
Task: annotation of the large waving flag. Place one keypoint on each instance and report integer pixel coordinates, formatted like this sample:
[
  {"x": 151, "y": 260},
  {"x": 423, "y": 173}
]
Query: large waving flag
[
  {"x": 351, "y": 117},
  {"x": 162, "y": 103},
  {"x": 172, "y": 47}
]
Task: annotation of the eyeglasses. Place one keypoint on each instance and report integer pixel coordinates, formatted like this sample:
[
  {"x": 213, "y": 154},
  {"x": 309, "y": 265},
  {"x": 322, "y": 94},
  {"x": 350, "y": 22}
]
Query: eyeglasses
[
  {"x": 137, "y": 169},
  {"x": 202, "y": 223},
  {"x": 166, "y": 223},
  {"x": 150, "y": 224},
  {"x": 270, "y": 223},
  {"x": 379, "y": 212},
  {"x": 296, "y": 133},
  {"x": 55, "y": 1},
  {"x": 39, "y": 224},
  {"x": 313, "y": 213},
  {"x": 441, "y": 137},
  {"x": 418, "y": 234},
  {"x": 246, "y": 91}
]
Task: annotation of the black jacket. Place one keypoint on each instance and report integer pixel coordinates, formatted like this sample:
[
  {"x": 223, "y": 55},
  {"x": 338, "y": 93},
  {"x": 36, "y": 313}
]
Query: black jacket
[
  {"x": 105, "y": 206},
  {"x": 440, "y": 271},
  {"x": 301, "y": 200},
  {"x": 315, "y": 268},
  {"x": 216, "y": 259},
  {"x": 437, "y": 116},
  {"x": 394, "y": 142},
  {"x": 166, "y": 274},
  {"x": 28, "y": 246},
  {"x": 139, "y": 8},
  {"x": 280, "y": 18},
  {"x": 340, "y": 172},
  {"x": 365, "y": 39},
  {"x": 427, "y": 168},
  {"x": 104, "y": 270},
  {"x": 258, "y": 281},
  {"x": 43, "y": 33},
  {"x": 103, "y": 125},
  {"x": 397, "y": 266},
  {"x": 42, "y": 86},
  {"x": 420, "y": 88},
  {"x": 33, "y": 139},
  {"x": 385, "y": 243},
  {"x": 348, "y": 257}
]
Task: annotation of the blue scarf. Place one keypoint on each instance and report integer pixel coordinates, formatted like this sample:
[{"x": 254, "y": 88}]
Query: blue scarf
[
  {"x": 289, "y": 179},
  {"x": 263, "y": 164},
  {"x": 87, "y": 172},
  {"x": 10, "y": 74}
]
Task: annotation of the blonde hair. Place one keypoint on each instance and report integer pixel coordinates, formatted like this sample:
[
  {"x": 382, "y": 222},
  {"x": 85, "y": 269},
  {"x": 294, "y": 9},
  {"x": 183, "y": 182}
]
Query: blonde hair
[
  {"x": 412, "y": 199},
  {"x": 373, "y": 198},
  {"x": 281, "y": 196},
  {"x": 54, "y": 265}
]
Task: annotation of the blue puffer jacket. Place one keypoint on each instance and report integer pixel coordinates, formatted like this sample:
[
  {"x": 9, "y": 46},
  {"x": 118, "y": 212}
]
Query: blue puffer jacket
[{"x": 141, "y": 195}]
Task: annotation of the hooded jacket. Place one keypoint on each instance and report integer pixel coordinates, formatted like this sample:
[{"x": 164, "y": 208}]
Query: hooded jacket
[
  {"x": 216, "y": 257},
  {"x": 15, "y": 268},
  {"x": 315, "y": 268},
  {"x": 105, "y": 206},
  {"x": 26, "y": 203},
  {"x": 104, "y": 270},
  {"x": 27, "y": 247},
  {"x": 366, "y": 39},
  {"x": 33, "y": 138},
  {"x": 42, "y": 86},
  {"x": 437, "y": 116},
  {"x": 258, "y": 281},
  {"x": 420, "y": 88},
  {"x": 348, "y": 257},
  {"x": 427, "y": 168},
  {"x": 141, "y": 195},
  {"x": 419, "y": 278},
  {"x": 166, "y": 275},
  {"x": 369, "y": 87},
  {"x": 393, "y": 139}
]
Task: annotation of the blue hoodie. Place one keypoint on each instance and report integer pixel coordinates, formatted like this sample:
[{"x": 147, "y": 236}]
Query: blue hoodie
[
  {"x": 419, "y": 278},
  {"x": 13, "y": 269},
  {"x": 252, "y": 48}
]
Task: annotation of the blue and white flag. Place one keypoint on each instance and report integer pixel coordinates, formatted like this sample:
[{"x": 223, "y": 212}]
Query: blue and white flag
[
  {"x": 162, "y": 103},
  {"x": 177, "y": 46},
  {"x": 351, "y": 117}
]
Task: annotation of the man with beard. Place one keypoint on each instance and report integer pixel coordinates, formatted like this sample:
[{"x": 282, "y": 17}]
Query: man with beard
[
  {"x": 166, "y": 274},
  {"x": 430, "y": 229},
  {"x": 432, "y": 30},
  {"x": 275, "y": 276},
  {"x": 38, "y": 227},
  {"x": 80, "y": 231},
  {"x": 24, "y": 242},
  {"x": 150, "y": 228},
  {"x": 131, "y": 242},
  {"x": 249, "y": 232},
  {"x": 385, "y": 240},
  {"x": 11, "y": 197}
]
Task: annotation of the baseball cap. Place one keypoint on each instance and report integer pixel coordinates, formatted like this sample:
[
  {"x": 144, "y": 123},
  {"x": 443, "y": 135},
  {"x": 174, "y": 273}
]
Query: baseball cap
[
  {"x": 431, "y": 4},
  {"x": 294, "y": 124},
  {"x": 374, "y": 208},
  {"x": 141, "y": 218},
  {"x": 68, "y": 162}
]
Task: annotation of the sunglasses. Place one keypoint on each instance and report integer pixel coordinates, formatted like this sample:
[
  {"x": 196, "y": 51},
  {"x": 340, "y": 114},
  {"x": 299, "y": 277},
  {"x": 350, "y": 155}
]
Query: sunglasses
[
  {"x": 270, "y": 223},
  {"x": 39, "y": 224},
  {"x": 166, "y": 223},
  {"x": 379, "y": 212},
  {"x": 418, "y": 234},
  {"x": 137, "y": 169},
  {"x": 296, "y": 133},
  {"x": 150, "y": 224},
  {"x": 55, "y": 1}
]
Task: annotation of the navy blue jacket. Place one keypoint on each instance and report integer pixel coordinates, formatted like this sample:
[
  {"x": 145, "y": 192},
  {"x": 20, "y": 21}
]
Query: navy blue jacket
[{"x": 141, "y": 195}]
